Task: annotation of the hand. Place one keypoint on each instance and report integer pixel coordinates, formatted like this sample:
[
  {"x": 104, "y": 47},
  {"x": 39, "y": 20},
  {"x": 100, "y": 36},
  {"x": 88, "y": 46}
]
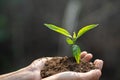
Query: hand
[{"x": 37, "y": 66}]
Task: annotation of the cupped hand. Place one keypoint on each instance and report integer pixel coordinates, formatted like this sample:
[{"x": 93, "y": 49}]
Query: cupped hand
[{"x": 36, "y": 67}]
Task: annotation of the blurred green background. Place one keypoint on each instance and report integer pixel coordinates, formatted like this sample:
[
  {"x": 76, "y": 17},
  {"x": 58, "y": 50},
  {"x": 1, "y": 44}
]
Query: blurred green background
[{"x": 23, "y": 38}]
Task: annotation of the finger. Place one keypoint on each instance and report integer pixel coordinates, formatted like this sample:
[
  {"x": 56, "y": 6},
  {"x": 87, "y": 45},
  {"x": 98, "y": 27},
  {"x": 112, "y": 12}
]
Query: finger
[
  {"x": 87, "y": 57},
  {"x": 83, "y": 54},
  {"x": 98, "y": 63},
  {"x": 44, "y": 59},
  {"x": 92, "y": 75},
  {"x": 40, "y": 62}
]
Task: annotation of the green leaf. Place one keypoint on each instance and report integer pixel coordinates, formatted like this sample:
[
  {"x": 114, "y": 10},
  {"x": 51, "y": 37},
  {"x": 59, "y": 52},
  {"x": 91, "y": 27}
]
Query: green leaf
[
  {"x": 85, "y": 29},
  {"x": 58, "y": 29},
  {"x": 74, "y": 35},
  {"x": 76, "y": 53},
  {"x": 69, "y": 41}
]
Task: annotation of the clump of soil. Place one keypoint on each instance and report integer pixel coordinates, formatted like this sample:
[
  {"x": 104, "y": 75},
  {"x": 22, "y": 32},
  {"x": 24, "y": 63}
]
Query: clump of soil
[{"x": 57, "y": 65}]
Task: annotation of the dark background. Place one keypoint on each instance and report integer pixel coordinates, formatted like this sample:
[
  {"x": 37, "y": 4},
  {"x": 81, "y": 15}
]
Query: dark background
[{"x": 23, "y": 38}]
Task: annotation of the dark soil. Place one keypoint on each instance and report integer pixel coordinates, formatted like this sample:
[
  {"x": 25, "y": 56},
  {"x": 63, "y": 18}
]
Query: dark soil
[{"x": 57, "y": 65}]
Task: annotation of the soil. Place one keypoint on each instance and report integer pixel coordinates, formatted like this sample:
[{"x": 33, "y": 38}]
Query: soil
[{"x": 57, "y": 65}]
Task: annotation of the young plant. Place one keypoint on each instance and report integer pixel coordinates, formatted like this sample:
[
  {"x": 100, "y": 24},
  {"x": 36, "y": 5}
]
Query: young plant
[{"x": 71, "y": 39}]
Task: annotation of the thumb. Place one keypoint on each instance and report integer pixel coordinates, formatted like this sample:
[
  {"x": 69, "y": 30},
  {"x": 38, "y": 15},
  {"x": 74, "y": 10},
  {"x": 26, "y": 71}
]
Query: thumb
[
  {"x": 92, "y": 75},
  {"x": 39, "y": 63}
]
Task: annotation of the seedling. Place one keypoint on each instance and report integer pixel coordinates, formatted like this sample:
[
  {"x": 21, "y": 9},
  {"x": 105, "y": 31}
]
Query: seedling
[{"x": 71, "y": 39}]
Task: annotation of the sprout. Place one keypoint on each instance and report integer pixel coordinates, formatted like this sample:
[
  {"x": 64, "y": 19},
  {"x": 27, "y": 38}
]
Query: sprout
[{"x": 71, "y": 39}]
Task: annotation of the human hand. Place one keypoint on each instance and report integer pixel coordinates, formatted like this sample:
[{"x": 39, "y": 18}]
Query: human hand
[{"x": 36, "y": 67}]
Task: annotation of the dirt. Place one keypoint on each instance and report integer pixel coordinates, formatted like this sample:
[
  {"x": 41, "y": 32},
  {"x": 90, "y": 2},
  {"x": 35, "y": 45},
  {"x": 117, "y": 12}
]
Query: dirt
[{"x": 57, "y": 65}]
